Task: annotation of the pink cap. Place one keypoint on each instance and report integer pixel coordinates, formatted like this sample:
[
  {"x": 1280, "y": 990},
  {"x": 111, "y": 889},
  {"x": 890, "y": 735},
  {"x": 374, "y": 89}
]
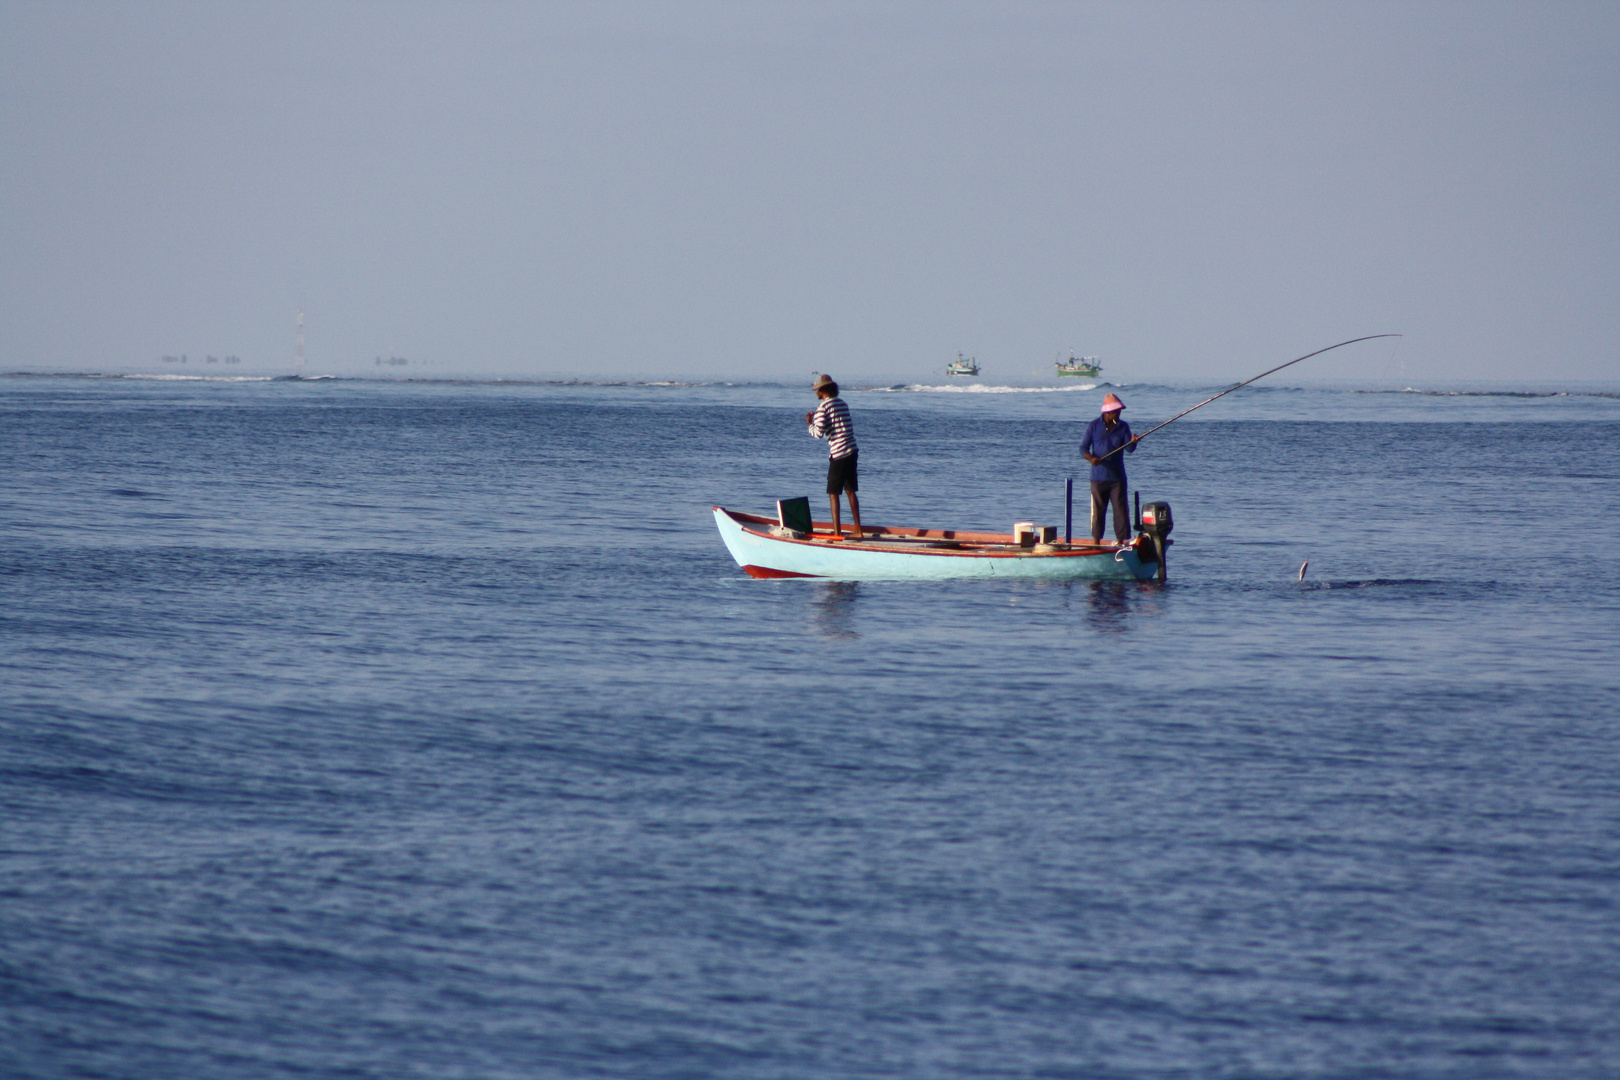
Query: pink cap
[{"x": 1112, "y": 403}]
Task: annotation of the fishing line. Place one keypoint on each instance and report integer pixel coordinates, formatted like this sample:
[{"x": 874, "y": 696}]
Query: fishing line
[{"x": 1393, "y": 349}]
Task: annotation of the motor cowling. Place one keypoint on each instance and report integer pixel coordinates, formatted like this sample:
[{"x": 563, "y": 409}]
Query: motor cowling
[{"x": 1156, "y": 521}]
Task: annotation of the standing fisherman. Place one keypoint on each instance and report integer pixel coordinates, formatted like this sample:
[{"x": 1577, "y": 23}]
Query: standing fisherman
[
  {"x": 830, "y": 421},
  {"x": 1103, "y": 439}
]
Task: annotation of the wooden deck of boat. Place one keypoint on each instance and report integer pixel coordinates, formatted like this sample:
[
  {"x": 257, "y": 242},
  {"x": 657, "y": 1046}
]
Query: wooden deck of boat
[{"x": 899, "y": 538}]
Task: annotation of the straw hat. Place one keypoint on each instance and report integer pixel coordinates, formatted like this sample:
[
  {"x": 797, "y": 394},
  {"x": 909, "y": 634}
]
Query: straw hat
[
  {"x": 1112, "y": 403},
  {"x": 821, "y": 380}
]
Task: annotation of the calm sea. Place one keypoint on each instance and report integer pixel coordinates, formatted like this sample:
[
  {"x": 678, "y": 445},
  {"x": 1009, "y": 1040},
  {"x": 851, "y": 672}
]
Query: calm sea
[{"x": 367, "y": 729}]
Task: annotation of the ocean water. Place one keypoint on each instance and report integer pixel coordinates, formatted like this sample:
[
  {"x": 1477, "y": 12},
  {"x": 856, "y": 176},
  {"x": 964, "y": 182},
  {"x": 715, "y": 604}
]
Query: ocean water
[{"x": 367, "y": 729}]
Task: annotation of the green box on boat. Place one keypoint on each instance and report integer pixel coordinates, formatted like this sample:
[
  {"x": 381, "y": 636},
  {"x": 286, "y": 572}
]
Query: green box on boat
[{"x": 794, "y": 514}]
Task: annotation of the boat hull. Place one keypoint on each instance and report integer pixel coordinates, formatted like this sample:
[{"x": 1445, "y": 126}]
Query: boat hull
[
  {"x": 1084, "y": 367},
  {"x": 910, "y": 554}
]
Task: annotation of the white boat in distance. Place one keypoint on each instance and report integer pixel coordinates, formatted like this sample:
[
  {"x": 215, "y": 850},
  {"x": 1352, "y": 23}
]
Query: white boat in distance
[
  {"x": 959, "y": 366},
  {"x": 765, "y": 549}
]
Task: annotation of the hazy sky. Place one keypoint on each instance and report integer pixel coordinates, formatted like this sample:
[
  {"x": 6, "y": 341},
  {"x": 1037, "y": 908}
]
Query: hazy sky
[{"x": 753, "y": 191}]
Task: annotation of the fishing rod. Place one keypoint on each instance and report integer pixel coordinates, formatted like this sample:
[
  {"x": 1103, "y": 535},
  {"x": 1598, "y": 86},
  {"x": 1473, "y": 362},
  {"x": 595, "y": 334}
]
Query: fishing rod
[{"x": 1239, "y": 386}]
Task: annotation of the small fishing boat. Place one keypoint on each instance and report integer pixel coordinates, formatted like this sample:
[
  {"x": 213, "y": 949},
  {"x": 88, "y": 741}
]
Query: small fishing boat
[
  {"x": 794, "y": 546},
  {"x": 960, "y": 366},
  {"x": 1085, "y": 366},
  {"x": 766, "y": 549}
]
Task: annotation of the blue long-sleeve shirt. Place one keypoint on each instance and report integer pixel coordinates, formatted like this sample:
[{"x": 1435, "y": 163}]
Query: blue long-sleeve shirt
[{"x": 1099, "y": 439}]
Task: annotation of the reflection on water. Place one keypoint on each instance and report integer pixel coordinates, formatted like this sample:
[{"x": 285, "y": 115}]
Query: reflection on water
[
  {"x": 1110, "y": 607},
  {"x": 832, "y": 614},
  {"x": 1111, "y": 604}
]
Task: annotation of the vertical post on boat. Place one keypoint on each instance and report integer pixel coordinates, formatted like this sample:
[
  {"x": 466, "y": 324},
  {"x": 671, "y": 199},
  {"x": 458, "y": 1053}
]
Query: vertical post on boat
[
  {"x": 1068, "y": 511},
  {"x": 1138, "y": 521}
]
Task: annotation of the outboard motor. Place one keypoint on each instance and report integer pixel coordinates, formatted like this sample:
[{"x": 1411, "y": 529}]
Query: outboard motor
[{"x": 1154, "y": 522}]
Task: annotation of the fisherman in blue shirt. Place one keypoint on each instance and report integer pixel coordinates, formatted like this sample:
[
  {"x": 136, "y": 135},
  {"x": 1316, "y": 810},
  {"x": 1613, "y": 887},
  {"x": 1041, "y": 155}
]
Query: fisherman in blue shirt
[{"x": 1103, "y": 437}]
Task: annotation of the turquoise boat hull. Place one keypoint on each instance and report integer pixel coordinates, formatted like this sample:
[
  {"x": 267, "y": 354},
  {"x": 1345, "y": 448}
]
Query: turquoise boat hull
[{"x": 892, "y": 554}]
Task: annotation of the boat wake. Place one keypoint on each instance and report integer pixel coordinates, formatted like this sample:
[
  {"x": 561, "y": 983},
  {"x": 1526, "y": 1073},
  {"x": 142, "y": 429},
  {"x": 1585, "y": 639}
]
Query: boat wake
[
  {"x": 197, "y": 378},
  {"x": 1496, "y": 393},
  {"x": 924, "y": 388},
  {"x": 1370, "y": 583}
]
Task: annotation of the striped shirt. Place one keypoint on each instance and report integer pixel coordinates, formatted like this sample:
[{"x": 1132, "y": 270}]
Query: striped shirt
[{"x": 831, "y": 422}]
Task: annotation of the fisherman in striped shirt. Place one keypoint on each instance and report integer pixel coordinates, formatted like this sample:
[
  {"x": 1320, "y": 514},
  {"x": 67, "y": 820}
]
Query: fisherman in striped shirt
[{"x": 830, "y": 421}]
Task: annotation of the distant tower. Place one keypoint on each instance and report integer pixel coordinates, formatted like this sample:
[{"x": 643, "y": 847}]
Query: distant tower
[{"x": 299, "y": 362}]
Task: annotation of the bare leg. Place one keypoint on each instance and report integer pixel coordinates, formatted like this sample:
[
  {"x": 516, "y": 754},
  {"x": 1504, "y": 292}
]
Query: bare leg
[
  {"x": 837, "y": 527},
  {"x": 855, "y": 512}
]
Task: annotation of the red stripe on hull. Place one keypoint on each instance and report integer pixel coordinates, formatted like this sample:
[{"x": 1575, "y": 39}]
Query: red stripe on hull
[{"x": 767, "y": 572}]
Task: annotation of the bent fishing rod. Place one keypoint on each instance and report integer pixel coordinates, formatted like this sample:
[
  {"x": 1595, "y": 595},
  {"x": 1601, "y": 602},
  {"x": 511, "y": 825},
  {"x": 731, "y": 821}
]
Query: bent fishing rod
[{"x": 1138, "y": 438}]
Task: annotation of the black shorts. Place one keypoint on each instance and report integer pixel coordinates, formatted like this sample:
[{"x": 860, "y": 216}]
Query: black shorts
[{"x": 841, "y": 474}]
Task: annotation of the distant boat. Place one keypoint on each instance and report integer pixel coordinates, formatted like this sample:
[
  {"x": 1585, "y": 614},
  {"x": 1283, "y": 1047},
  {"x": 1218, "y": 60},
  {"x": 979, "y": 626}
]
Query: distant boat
[
  {"x": 766, "y": 549},
  {"x": 960, "y": 366},
  {"x": 1083, "y": 366}
]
